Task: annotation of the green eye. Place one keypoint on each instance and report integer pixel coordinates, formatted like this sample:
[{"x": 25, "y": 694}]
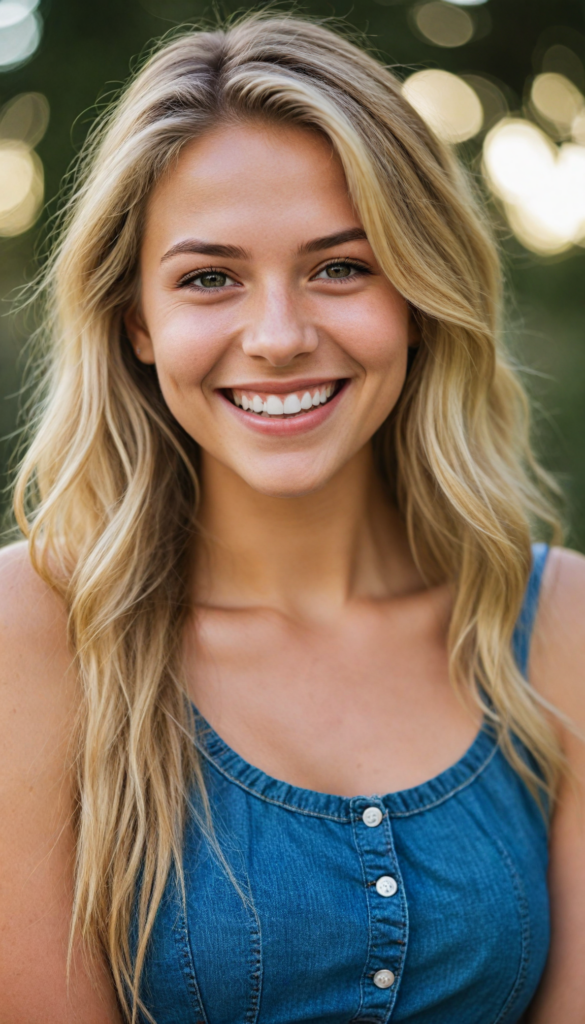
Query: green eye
[
  {"x": 341, "y": 271},
  {"x": 213, "y": 279},
  {"x": 336, "y": 270},
  {"x": 206, "y": 280}
]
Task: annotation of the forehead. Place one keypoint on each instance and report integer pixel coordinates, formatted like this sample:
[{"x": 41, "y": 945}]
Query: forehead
[{"x": 252, "y": 179}]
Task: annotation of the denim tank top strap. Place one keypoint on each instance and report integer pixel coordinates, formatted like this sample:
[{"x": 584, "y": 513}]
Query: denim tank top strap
[{"x": 525, "y": 625}]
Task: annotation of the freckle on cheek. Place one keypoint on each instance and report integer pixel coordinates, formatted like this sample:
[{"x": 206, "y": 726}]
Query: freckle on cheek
[
  {"x": 183, "y": 365},
  {"x": 382, "y": 352}
]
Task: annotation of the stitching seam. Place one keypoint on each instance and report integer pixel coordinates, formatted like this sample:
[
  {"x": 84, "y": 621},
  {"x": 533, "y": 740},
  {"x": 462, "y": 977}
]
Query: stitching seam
[
  {"x": 343, "y": 819},
  {"x": 523, "y": 913}
]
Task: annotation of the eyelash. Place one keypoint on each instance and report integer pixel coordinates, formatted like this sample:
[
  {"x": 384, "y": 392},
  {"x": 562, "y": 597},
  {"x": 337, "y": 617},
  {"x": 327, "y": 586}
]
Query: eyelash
[
  {"x": 346, "y": 262},
  {"x": 189, "y": 279}
]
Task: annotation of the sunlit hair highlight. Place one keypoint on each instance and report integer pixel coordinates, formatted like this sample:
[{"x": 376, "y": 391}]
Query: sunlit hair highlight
[{"x": 108, "y": 491}]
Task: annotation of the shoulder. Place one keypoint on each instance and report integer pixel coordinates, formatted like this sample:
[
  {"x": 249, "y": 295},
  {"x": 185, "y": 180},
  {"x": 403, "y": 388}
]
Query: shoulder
[
  {"x": 33, "y": 617},
  {"x": 27, "y": 603},
  {"x": 39, "y": 699},
  {"x": 564, "y": 576},
  {"x": 36, "y": 682},
  {"x": 557, "y": 672},
  {"x": 557, "y": 659}
]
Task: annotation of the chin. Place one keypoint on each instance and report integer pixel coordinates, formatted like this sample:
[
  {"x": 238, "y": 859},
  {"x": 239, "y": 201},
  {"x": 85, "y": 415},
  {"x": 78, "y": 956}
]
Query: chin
[{"x": 287, "y": 483}]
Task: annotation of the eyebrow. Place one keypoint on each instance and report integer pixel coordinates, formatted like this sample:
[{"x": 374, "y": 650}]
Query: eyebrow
[
  {"x": 330, "y": 241},
  {"x": 194, "y": 245},
  {"x": 234, "y": 252}
]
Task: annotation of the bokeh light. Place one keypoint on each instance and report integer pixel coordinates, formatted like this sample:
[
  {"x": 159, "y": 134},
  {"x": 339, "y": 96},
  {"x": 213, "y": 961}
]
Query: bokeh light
[
  {"x": 492, "y": 98},
  {"x": 23, "y": 122},
  {"x": 447, "y": 103},
  {"x": 557, "y": 100},
  {"x": 444, "y": 24},
  {"x": 542, "y": 185},
  {"x": 25, "y": 118},
  {"x": 20, "y": 32},
  {"x": 564, "y": 61},
  {"x": 518, "y": 158},
  {"x": 578, "y": 128},
  {"x": 21, "y": 187}
]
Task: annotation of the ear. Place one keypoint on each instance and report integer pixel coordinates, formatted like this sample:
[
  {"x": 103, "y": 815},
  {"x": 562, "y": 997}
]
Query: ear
[{"x": 138, "y": 334}]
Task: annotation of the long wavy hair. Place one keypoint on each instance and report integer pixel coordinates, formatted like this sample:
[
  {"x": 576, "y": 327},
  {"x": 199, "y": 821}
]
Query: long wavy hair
[{"x": 108, "y": 491}]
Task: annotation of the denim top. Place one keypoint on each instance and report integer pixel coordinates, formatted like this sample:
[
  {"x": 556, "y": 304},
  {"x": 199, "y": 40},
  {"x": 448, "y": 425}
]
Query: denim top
[{"x": 427, "y": 905}]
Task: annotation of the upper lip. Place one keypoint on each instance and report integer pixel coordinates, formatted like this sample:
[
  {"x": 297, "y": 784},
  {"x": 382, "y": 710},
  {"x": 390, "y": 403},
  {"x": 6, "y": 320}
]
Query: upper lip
[{"x": 282, "y": 387}]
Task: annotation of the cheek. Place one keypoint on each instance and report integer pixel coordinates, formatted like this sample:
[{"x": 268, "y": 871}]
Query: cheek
[
  {"x": 387, "y": 363},
  {"x": 379, "y": 342},
  {"x": 377, "y": 337},
  {"x": 186, "y": 349},
  {"x": 384, "y": 354}
]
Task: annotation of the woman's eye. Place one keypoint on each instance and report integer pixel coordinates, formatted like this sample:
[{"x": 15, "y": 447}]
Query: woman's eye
[
  {"x": 208, "y": 280},
  {"x": 337, "y": 271}
]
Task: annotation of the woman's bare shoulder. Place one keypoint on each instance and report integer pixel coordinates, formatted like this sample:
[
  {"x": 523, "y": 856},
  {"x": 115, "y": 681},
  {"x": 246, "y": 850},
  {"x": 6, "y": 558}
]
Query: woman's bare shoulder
[
  {"x": 29, "y": 608},
  {"x": 557, "y": 671},
  {"x": 36, "y": 682},
  {"x": 557, "y": 663},
  {"x": 38, "y": 704}
]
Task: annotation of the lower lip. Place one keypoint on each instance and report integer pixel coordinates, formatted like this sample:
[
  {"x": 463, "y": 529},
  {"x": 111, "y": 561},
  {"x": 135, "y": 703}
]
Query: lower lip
[{"x": 286, "y": 426}]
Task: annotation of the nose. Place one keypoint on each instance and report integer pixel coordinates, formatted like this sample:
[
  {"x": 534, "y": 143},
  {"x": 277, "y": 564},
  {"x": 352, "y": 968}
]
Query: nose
[{"x": 278, "y": 332}]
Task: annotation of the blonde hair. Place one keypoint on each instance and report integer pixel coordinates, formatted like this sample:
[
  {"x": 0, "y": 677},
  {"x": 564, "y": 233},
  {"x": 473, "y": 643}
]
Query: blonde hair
[{"x": 108, "y": 491}]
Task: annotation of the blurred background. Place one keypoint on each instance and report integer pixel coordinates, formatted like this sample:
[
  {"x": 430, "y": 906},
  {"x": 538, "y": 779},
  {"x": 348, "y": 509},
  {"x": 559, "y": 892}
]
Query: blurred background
[{"x": 502, "y": 80}]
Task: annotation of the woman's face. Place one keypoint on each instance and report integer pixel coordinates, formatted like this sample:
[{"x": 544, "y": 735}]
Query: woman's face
[{"x": 279, "y": 345}]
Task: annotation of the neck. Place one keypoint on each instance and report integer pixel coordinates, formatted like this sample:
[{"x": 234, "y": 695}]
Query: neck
[{"x": 306, "y": 555}]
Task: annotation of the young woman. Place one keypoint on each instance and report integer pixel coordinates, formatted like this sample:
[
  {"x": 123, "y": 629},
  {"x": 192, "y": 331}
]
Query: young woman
[{"x": 281, "y": 475}]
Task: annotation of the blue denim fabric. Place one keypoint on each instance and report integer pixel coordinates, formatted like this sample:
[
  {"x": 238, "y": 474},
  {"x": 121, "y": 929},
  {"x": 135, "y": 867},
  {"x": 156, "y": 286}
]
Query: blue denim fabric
[{"x": 299, "y": 931}]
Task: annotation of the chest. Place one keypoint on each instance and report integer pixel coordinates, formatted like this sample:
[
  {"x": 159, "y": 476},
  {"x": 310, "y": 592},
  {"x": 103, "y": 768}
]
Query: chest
[
  {"x": 362, "y": 705},
  {"x": 301, "y": 911}
]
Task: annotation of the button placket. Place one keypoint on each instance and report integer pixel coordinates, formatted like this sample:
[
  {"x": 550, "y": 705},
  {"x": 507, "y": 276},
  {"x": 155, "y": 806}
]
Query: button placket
[{"x": 387, "y": 909}]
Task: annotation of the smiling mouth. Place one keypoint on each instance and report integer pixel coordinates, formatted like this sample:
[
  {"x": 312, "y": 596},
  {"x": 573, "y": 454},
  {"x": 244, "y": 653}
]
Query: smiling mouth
[{"x": 292, "y": 403}]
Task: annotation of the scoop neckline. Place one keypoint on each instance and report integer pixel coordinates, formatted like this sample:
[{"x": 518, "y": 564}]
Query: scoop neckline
[{"x": 400, "y": 803}]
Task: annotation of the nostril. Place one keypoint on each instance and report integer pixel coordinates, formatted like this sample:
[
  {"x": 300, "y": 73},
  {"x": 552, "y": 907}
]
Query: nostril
[{"x": 280, "y": 347}]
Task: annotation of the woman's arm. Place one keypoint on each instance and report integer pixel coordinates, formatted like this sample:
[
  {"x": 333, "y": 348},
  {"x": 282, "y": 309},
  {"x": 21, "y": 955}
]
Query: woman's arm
[
  {"x": 38, "y": 700},
  {"x": 557, "y": 670}
]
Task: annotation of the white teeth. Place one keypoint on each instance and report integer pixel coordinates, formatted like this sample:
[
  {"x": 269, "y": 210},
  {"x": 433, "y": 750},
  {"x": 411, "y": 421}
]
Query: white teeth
[
  {"x": 274, "y": 406},
  {"x": 292, "y": 404},
  {"x": 289, "y": 405}
]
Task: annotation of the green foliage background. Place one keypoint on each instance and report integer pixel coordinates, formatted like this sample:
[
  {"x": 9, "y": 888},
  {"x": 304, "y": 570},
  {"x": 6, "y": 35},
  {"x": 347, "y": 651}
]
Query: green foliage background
[{"x": 86, "y": 53}]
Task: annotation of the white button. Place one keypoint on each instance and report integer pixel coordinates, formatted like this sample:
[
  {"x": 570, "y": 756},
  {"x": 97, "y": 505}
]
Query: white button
[
  {"x": 372, "y": 816},
  {"x": 386, "y": 885},
  {"x": 384, "y": 979}
]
